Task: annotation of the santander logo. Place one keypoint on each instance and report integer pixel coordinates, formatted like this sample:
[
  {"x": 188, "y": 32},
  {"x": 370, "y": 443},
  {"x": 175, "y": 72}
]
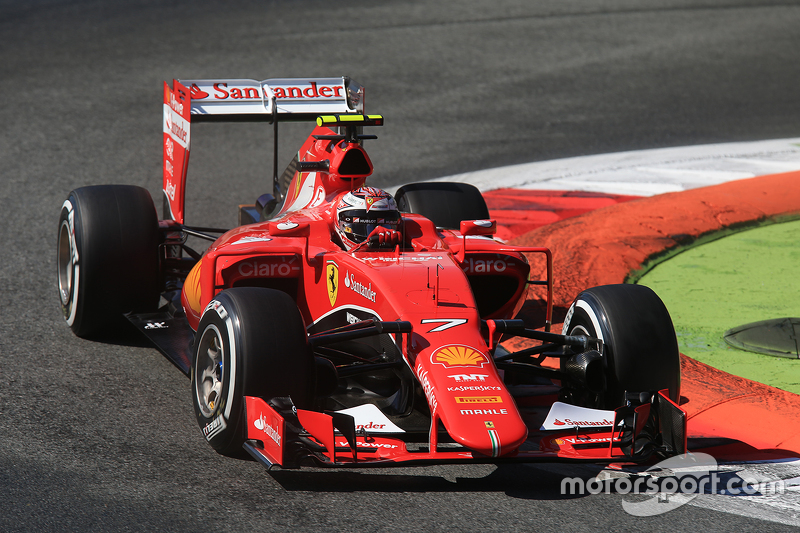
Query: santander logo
[
  {"x": 562, "y": 416},
  {"x": 197, "y": 93},
  {"x": 261, "y": 424},
  {"x": 583, "y": 423},
  {"x": 310, "y": 91}
]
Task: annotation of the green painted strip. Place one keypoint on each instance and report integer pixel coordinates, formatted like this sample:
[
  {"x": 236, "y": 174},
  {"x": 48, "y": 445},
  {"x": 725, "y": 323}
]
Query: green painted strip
[
  {"x": 692, "y": 242},
  {"x": 746, "y": 277}
]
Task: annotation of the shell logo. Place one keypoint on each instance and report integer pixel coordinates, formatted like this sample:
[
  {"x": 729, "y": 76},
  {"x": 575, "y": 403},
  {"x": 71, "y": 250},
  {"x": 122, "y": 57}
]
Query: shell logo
[
  {"x": 457, "y": 355},
  {"x": 192, "y": 288}
]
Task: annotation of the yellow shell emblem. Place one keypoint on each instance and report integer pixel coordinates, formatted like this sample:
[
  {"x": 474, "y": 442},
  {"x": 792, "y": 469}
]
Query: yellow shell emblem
[
  {"x": 192, "y": 288},
  {"x": 457, "y": 355}
]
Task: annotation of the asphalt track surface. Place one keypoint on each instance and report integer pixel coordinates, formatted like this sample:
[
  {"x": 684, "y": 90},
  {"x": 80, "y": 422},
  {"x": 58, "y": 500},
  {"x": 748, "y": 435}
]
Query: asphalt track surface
[{"x": 101, "y": 436}]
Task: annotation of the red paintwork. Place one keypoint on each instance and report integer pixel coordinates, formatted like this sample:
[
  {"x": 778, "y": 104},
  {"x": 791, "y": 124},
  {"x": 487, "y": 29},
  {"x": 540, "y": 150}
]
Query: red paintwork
[
  {"x": 423, "y": 281},
  {"x": 266, "y": 425},
  {"x": 177, "y": 111},
  {"x": 604, "y": 247}
]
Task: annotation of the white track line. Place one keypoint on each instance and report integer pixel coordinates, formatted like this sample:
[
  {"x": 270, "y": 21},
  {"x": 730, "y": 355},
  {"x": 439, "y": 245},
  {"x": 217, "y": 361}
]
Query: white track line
[
  {"x": 645, "y": 172},
  {"x": 778, "y": 500},
  {"x": 651, "y": 172}
]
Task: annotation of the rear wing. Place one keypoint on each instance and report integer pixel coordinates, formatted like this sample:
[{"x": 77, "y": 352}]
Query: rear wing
[
  {"x": 240, "y": 100},
  {"x": 295, "y": 99}
]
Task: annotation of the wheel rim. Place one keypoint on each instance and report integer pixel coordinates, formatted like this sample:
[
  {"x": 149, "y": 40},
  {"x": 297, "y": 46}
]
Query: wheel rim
[
  {"x": 579, "y": 331},
  {"x": 209, "y": 371},
  {"x": 65, "y": 265}
]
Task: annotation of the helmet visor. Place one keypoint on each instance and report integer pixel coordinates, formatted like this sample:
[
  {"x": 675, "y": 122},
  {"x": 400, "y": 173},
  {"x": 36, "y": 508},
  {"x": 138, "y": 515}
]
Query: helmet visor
[{"x": 358, "y": 224}]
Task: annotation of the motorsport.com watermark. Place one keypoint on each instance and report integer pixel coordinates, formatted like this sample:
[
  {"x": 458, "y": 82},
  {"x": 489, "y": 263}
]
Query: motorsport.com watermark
[{"x": 674, "y": 482}]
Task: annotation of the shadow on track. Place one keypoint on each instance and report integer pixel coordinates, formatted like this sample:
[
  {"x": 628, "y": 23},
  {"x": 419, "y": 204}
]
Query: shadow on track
[{"x": 529, "y": 482}]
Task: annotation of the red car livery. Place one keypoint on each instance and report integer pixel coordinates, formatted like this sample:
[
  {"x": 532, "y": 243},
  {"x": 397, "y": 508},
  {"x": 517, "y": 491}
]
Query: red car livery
[{"x": 339, "y": 325}]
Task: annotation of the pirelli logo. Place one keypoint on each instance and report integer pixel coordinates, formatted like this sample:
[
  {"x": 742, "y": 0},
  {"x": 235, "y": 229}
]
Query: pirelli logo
[{"x": 479, "y": 399}]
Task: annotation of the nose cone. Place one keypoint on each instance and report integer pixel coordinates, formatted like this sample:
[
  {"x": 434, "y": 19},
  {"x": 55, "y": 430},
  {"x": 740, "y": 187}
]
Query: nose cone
[
  {"x": 464, "y": 389},
  {"x": 492, "y": 431}
]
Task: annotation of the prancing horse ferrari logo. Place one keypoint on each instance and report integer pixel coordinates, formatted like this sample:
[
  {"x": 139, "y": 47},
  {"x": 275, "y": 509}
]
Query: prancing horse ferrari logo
[{"x": 332, "y": 275}]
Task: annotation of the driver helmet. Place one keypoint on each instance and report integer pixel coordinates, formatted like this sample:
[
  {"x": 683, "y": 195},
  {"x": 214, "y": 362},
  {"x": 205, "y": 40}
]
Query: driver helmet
[{"x": 360, "y": 211}]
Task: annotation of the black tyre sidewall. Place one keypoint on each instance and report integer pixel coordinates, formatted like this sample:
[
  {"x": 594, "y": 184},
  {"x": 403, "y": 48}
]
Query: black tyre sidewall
[
  {"x": 221, "y": 439},
  {"x": 264, "y": 331},
  {"x": 640, "y": 347},
  {"x": 115, "y": 231}
]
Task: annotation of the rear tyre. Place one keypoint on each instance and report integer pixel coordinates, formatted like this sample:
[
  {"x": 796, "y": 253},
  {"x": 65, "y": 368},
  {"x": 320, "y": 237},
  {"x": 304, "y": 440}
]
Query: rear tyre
[
  {"x": 640, "y": 350},
  {"x": 443, "y": 203},
  {"x": 107, "y": 255},
  {"x": 251, "y": 341}
]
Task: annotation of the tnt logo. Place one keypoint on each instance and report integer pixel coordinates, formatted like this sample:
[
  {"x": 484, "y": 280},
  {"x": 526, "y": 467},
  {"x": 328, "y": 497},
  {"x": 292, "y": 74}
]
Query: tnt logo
[{"x": 463, "y": 378}]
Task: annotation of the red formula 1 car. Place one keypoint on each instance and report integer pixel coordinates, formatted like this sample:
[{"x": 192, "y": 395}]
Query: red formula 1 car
[{"x": 341, "y": 326}]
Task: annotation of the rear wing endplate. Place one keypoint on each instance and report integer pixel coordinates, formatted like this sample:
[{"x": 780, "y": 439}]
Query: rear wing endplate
[{"x": 240, "y": 100}]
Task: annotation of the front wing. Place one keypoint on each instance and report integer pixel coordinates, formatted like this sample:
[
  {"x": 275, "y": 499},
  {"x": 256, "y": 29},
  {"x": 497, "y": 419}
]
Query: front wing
[{"x": 278, "y": 434}]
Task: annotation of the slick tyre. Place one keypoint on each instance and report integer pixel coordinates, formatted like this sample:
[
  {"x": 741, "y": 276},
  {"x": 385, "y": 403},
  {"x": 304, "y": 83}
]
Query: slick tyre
[
  {"x": 251, "y": 341},
  {"x": 107, "y": 256},
  {"x": 443, "y": 203},
  {"x": 640, "y": 350}
]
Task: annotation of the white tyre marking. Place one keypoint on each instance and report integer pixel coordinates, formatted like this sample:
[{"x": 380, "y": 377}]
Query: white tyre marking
[{"x": 593, "y": 317}]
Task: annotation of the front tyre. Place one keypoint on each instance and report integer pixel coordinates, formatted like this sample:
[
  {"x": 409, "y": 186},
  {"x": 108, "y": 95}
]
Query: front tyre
[
  {"x": 640, "y": 350},
  {"x": 251, "y": 341},
  {"x": 107, "y": 255}
]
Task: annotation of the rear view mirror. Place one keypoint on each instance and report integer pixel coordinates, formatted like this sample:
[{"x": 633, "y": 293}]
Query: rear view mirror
[{"x": 478, "y": 227}]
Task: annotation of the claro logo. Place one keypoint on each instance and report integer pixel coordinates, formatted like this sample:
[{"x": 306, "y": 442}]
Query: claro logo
[
  {"x": 269, "y": 268},
  {"x": 276, "y": 267},
  {"x": 485, "y": 265}
]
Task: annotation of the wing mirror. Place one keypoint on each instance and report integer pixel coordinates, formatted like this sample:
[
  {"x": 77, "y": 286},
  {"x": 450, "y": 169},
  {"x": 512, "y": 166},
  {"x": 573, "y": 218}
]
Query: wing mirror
[
  {"x": 478, "y": 227},
  {"x": 474, "y": 227},
  {"x": 289, "y": 229}
]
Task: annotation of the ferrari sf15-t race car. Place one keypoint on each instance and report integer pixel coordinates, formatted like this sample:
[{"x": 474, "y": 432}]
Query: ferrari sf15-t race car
[{"x": 340, "y": 326}]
